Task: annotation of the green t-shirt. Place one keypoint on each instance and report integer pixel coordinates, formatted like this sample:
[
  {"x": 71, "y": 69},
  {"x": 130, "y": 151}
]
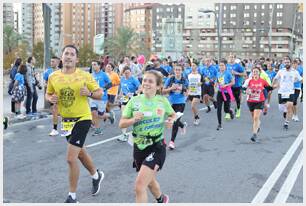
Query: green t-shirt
[{"x": 155, "y": 111}]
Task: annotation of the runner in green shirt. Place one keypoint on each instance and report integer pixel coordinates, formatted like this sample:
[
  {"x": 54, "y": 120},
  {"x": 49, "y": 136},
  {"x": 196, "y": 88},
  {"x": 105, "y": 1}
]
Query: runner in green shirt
[{"x": 149, "y": 113}]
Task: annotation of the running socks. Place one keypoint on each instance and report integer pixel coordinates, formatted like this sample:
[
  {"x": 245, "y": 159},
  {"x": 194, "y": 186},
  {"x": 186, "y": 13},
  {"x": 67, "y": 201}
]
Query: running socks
[
  {"x": 55, "y": 126},
  {"x": 197, "y": 117},
  {"x": 95, "y": 176},
  {"x": 72, "y": 194},
  {"x": 160, "y": 199}
]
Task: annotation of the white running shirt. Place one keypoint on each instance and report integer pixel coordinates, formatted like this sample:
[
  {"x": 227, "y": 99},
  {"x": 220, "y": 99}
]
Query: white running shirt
[
  {"x": 194, "y": 84},
  {"x": 286, "y": 81}
]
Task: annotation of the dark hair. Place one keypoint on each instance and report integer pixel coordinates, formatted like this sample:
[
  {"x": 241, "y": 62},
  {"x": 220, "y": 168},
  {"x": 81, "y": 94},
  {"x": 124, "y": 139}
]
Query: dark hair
[
  {"x": 133, "y": 57},
  {"x": 295, "y": 61},
  {"x": 112, "y": 65},
  {"x": 125, "y": 68},
  {"x": 60, "y": 64},
  {"x": 22, "y": 69},
  {"x": 55, "y": 57},
  {"x": 17, "y": 62},
  {"x": 97, "y": 61},
  {"x": 224, "y": 61},
  {"x": 71, "y": 46},
  {"x": 30, "y": 59}
]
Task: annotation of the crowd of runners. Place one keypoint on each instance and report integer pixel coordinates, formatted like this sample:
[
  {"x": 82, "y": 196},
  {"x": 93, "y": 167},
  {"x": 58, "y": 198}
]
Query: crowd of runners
[{"x": 153, "y": 95}]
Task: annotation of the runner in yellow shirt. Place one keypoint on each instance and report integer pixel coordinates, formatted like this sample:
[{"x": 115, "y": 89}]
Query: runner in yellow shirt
[{"x": 69, "y": 88}]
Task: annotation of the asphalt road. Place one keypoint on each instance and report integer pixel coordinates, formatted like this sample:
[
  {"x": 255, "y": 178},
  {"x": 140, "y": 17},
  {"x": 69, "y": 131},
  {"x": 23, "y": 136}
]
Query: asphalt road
[{"x": 208, "y": 166}]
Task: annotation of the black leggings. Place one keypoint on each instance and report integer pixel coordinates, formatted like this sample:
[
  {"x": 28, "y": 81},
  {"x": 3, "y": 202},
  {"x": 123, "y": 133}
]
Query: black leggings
[
  {"x": 177, "y": 123},
  {"x": 236, "y": 93},
  {"x": 227, "y": 105}
]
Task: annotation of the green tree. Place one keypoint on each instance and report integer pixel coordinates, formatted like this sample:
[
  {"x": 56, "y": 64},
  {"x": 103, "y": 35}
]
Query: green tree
[
  {"x": 10, "y": 39},
  {"x": 10, "y": 57},
  {"x": 86, "y": 55},
  {"x": 38, "y": 53},
  {"x": 125, "y": 43}
]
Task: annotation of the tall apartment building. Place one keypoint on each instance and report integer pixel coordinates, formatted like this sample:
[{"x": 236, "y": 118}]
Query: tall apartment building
[
  {"x": 104, "y": 18},
  {"x": 27, "y": 26},
  {"x": 139, "y": 18},
  {"x": 38, "y": 24},
  {"x": 55, "y": 27},
  {"x": 245, "y": 31},
  {"x": 77, "y": 24},
  {"x": 167, "y": 27},
  {"x": 8, "y": 14}
]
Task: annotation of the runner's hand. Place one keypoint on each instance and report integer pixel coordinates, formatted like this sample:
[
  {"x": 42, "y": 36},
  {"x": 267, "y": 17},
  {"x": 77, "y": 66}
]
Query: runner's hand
[
  {"x": 53, "y": 99},
  {"x": 169, "y": 122},
  {"x": 138, "y": 116},
  {"x": 84, "y": 91}
]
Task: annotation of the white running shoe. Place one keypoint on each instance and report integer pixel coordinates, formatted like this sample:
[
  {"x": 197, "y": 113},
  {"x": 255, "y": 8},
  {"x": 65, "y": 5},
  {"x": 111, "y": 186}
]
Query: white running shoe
[
  {"x": 184, "y": 129},
  {"x": 196, "y": 122},
  {"x": 21, "y": 116},
  {"x": 54, "y": 132}
]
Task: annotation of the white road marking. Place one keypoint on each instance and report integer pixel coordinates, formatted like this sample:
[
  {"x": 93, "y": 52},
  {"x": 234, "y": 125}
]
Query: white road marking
[
  {"x": 283, "y": 194},
  {"x": 104, "y": 141},
  {"x": 266, "y": 188}
]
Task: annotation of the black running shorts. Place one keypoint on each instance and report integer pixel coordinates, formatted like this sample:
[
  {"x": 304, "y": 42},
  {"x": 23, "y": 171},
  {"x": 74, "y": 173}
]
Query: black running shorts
[
  {"x": 78, "y": 133},
  {"x": 111, "y": 98},
  {"x": 285, "y": 100},
  {"x": 208, "y": 89},
  {"x": 191, "y": 97},
  {"x": 150, "y": 156},
  {"x": 256, "y": 105}
]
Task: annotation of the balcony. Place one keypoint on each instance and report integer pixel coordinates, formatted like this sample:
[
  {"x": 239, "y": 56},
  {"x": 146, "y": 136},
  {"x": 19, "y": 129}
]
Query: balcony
[
  {"x": 281, "y": 34},
  {"x": 275, "y": 42},
  {"x": 283, "y": 50}
]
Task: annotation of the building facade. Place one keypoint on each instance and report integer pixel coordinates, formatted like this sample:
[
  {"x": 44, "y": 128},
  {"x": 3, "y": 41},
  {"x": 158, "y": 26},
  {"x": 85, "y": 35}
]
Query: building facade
[
  {"x": 27, "y": 24},
  {"x": 246, "y": 31},
  {"x": 105, "y": 19},
  {"x": 8, "y": 14}
]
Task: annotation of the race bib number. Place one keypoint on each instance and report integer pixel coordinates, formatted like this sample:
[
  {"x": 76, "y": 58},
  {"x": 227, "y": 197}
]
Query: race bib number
[
  {"x": 193, "y": 89},
  {"x": 67, "y": 126},
  {"x": 254, "y": 94},
  {"x": 206, "y": 79}
]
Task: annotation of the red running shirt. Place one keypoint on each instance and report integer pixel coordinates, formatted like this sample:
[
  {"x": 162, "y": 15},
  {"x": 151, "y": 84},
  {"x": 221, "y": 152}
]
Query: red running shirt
[{"x": 255, "y": 90}]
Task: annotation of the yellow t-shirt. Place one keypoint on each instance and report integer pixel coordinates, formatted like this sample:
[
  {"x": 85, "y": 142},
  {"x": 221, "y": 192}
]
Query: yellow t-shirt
[
  {"x": 67, "y": 87},
  {"x": 115, "y": 81}
]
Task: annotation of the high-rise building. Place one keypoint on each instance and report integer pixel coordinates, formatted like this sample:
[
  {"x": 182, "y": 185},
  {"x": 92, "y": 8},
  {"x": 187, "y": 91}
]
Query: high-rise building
[
  {"x": 38, "y": 23},
  {"x": 199, "y": 20},
  {"x": 139, "y": 18},
  {"x": 167, "y": 26},
  {"x": 77, "y": 24},
  {"x": 27, "y": 26},
  {"x": 105, "y": 18},
  {"x": 8, "y": 14},
  {"x": 55, "y": 27},
  {"x": 246, "y": 31}
]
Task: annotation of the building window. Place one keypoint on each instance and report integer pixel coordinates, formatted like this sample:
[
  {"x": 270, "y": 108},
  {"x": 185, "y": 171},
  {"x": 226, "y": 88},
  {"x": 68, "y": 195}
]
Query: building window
[
  {"x": 279, "y": 14},
  {"x": 224, "y": 15},
  {"x": 270, "y": 6},
  {"x": 255, "y": 6},
  {"x": 179, "y": 9},
  {"x": 233, "y": 23},
  {"x": 233, "y": 15},
  {"x": 217, "y": 8},
  {"x": 262, "y": 14},
  {"x": 262, "y": 6},
  {"x": 246, "y": 7},
  {"x": 168, "y": 9},
  {"x": 224, "y": 7},
  {"x": 279, "y": 22},
  {"x": 233, "y": 7},
  {"x": 279, "y": 6},
  {"x": 246, "y": 23},
  {"x": 157, "y": 10},
  {"x": 246, "y": 15},
  {"x": 255, "y": 15}
]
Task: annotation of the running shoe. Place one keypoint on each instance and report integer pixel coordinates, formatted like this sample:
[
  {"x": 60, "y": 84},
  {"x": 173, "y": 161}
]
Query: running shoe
[
  {"x": 238, "y": 113},
  {"x": 253, "y": 138},
  {"x": 5, "y": 122},
  {"x": 219, "y": 127},
  {"x": 21, "y": 116},
  {"x": 184, "y": 129},
  {"x": 98, "y": 131},
  {"x": 164, "y": 199},
  {"x": 97, "y": 183},
  {"x": 171, "y": 145},
  {"x": 295, "y": 118},
  {"x": 258, "y": 130},
  {"x": 286, "y": 126},
  {"x": 196, "y": 122},
  {"x": 54, "y": 132},
  {"x": 208, "y": 109},
  {"x": 70, "y": 200},
  {"x": 232, "y": 115},
  {"x": 227, "y": 116},
  {"x": 112, "y": 117},
  {"x": 215, "y": 104},
  {"x": 123, "y": 138},
  {"x": 265, "y": 110}
]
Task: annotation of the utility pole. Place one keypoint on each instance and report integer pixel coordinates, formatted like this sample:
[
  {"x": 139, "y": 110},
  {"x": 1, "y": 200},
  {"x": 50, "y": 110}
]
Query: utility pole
[
  {"x": 270, "y": 31},
  {"x": 47, "y": 22},
  {"x": 220, "y": 31}
]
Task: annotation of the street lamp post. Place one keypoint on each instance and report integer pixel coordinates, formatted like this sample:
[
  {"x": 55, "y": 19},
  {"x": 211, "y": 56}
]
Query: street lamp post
[{"x": 218, "y": 20}]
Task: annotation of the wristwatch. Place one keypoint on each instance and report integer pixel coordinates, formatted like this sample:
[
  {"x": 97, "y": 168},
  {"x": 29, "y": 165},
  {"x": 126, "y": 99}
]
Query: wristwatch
[{"x": 90, "y": 95}]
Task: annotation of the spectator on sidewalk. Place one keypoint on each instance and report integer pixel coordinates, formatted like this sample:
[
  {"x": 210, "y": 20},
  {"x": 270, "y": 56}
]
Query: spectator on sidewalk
[
  {"x": 32, "y": 97},
  {"x": 13, "y": 72},
  {"x": 18, "y": 91}
]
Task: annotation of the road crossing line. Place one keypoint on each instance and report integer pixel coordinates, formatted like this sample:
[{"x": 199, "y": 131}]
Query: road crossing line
[
  {"x": 267, "y": 187},
  {"x": 284, "y": 193},
  {"x": 104, "y": 141}
]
